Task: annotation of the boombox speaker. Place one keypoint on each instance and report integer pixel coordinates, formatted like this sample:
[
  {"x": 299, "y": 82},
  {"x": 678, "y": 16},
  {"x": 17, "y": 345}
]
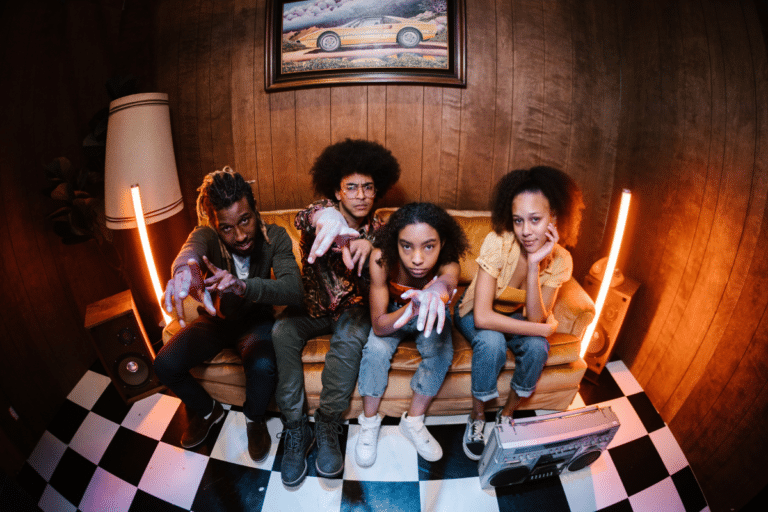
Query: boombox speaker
[
  {"x": 609, "y": 324},
  {"x": 119, "y": 338},
  {"x": 545, "y": 446}
]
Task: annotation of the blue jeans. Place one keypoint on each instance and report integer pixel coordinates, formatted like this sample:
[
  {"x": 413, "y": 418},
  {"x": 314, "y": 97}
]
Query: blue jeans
[
  {"x": 489, "y": 353},
  {"x": 436, "y": 356}
]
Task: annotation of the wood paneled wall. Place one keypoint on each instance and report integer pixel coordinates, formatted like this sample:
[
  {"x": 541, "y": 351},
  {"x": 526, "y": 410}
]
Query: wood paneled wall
[
  {"x": 664, "y": 97},
  {"x": 694, "y": 128}
]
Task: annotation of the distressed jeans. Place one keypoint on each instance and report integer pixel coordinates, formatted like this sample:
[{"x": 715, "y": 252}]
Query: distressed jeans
[{"x": 436, "y": 356}]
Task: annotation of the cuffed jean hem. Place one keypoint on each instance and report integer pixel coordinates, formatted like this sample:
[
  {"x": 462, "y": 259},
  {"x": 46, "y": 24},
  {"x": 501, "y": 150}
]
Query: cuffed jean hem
[
  {"x": 485, "y": 397},
  {"x": 490, "y": 354}
]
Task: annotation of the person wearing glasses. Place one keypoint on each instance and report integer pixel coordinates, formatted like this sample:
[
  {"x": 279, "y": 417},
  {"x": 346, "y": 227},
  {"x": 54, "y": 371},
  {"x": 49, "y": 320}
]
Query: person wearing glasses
[{"x": 337, "y": 234}]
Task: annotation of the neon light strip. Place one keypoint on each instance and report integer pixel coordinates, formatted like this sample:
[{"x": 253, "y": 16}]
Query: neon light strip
[
  {"x": 139, "y": 211},
  {"x": 618, "y": 234}
]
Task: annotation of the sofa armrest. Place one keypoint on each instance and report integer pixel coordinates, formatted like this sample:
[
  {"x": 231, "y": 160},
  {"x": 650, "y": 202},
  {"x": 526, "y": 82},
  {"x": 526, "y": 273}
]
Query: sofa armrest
[
  {"x": 190, "y": 313},
  {"x": 574, "y": 309}
]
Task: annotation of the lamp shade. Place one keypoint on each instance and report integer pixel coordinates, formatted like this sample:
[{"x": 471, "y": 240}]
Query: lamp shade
[{"x": 140, "y": 152}]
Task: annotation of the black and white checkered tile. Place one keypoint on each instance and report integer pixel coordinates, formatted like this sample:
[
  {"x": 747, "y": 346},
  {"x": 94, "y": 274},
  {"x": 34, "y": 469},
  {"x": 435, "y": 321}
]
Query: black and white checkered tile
[{"x": 100, "y": 454}]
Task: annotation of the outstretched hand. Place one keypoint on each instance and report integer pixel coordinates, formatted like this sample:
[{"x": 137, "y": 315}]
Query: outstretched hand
[
  {"x": 552, "y": 238},
  {"x": 331, "y": 227},
  {"x": 222, "y": 281},
  {"x": 429, "y": 305},
  {"x": 188, "y": 280},
  {"x": 354, "y": 252}
]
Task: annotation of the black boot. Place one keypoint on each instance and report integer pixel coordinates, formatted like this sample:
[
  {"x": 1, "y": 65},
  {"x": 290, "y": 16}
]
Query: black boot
[
  {"x": 330, "y": 461},
  {"x": 298, "y": 439}
]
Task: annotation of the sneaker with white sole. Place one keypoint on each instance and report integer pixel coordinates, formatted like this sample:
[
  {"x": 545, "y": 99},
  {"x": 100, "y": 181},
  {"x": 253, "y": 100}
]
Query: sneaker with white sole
[
  {"x": 474, "y": 438},
  {"x": 416, "y": 432},
  {"x": 367, "y": 439}
]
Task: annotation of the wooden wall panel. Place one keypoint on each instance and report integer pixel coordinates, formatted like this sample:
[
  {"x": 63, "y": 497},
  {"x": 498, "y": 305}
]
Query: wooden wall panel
[
  {"x": 477, "y": 112},
  {"x": 405, "y": 122},
  {"x": 313, "y": 134},
  {"x": 188, "y": 161},
  {"x": 450, "y": 136},
  {"x": 242, "y": 92}
]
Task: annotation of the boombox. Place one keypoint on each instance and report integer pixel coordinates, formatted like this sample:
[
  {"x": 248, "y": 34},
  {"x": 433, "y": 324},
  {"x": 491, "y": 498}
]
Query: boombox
[{"x": 545, "y": 446}]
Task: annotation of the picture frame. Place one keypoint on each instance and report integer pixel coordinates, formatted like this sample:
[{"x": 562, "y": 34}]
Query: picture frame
[{"x": 312, "y": 43}]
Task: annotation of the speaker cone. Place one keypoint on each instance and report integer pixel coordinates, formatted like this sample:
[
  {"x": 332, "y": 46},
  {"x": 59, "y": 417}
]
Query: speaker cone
[
  {"x": 584, "y": 460},
  {"x": 511, "y": 475},
  {"x": 599, "y": 343},
  {"x": 133, "y": 370}
]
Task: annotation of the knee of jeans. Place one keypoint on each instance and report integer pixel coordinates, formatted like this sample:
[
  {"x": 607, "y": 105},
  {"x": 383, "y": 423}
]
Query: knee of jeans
[
  {"x": 538, "y": 349},
  {"x": 491, "y": 344},
  {"x": 376, "y": 350}
]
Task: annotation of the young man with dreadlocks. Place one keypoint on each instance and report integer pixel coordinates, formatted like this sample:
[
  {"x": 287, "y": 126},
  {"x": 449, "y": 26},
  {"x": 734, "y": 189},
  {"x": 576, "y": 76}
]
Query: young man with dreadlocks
[
  {"x": 349, "y": 175},
  {"x": 238, "y": 253}
]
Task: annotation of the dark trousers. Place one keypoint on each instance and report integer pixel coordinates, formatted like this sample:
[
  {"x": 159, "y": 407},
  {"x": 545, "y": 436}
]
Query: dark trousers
[{"x": 206, "y": 337}]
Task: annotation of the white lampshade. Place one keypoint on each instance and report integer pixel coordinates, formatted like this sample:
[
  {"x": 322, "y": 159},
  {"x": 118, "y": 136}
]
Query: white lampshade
[{"x": 140, "y": 152}]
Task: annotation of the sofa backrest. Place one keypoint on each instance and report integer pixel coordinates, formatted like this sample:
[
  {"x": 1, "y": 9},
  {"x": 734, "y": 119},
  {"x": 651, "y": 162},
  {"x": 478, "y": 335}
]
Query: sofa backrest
[{"x": 476, "y": 225}]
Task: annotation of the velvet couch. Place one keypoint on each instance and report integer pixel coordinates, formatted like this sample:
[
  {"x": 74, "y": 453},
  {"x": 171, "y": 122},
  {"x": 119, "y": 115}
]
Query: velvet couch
[{"x": 224, "y": 379}]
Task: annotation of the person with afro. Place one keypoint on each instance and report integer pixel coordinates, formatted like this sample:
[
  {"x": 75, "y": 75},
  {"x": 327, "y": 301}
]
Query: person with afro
[
  {"x": 238, "y": 253},
  {"x": 337, "y": 234}
]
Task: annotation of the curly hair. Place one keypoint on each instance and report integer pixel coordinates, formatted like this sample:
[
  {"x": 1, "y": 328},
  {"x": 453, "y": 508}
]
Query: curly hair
[
  {"x": 221, "y": 189},
  {"x": 455, "y": 243},
  {"x": 562, "y": 192},
  {"x": 350, "y": 157}
]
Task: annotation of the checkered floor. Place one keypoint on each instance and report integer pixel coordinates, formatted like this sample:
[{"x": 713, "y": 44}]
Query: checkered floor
[{"x": 99, "y": 454}]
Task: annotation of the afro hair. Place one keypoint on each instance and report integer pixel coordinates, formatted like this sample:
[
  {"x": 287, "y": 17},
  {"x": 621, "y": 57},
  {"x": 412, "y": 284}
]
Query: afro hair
[{"x": 354, "y": 157}]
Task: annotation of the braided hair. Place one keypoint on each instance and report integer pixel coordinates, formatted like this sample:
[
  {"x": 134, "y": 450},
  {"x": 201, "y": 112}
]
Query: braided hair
[{"x": 221, "y": 189}]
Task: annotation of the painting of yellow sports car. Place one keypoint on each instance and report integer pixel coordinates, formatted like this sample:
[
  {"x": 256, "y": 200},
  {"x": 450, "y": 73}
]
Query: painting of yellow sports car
[{"x": 366, "y": 31}]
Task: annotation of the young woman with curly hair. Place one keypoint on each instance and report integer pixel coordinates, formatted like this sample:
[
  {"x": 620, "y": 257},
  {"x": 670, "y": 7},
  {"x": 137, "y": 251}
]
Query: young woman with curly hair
[
  {"x": 509, "y": 303},
  {"x": 414, "y": 272}
]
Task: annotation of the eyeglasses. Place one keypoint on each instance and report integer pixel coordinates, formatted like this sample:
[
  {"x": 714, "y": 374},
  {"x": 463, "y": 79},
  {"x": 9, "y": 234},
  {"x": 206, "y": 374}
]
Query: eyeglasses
[{"x": 350, "y": 189}]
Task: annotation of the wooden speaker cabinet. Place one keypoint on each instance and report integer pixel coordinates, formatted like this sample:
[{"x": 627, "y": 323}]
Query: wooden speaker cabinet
[
  {"x": 123, "y": 346},
  {"x": 608, "y": 326}
]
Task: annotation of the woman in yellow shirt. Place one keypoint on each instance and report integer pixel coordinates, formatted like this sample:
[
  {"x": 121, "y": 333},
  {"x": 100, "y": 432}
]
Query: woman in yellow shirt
[{"x": 509, "y": 303}]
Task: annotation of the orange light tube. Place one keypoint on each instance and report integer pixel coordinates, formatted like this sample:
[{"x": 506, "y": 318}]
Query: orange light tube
[
  {"x": 139, "y": 212},
  {"x": 618, "y": 234}
]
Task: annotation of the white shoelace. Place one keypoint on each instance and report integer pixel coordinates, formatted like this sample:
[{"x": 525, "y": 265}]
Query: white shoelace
[
  {"x": 476, "y": 431},
  {"x": 368, "y": 435}
]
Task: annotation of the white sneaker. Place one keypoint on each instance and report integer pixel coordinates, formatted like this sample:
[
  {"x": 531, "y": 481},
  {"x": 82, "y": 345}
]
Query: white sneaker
[
  {"x": 367, "y": 439},
  {"x": 414, "y": 429}
]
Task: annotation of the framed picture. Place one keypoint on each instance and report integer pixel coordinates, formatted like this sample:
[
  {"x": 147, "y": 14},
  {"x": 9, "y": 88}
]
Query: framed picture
[{"x": 326, "y": 42}]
